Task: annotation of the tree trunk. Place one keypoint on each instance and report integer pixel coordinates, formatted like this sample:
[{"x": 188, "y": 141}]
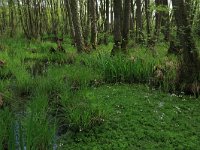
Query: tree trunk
[
  {"x": 88, "y": 24},
  {"x": 132, "y": 19},
  {"x": 77, "y": 26},
  {"x": 72, "y": 32},
  {"x": 189, "y": 70},
  {"x": 107, "y": 24},
  {"x": 139, "y": 21},
  {"x": 165, "y": 21},
  {"x": 93, "y": 24},
  {"x": 112, "y": 16},
  {"x": 126, "y": 24},
  {"x": 158, "y": 16},
  {"x": 11, "y": 17},
  {"x": 147, "y": 9},
  {"x": 117, "y": 26}
]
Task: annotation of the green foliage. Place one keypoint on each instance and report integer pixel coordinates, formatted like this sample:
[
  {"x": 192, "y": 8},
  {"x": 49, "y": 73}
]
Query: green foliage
[
  {"x": 80, "y": 112},
  {"x": 196, "y": 26},
  {"x": 39, "y": 131},
  {"x": 7, "y": 133},
  {"x": 140, "y": 118},
  {"x": 64, "y": 93},
  {"x": 120, "y": 69}
]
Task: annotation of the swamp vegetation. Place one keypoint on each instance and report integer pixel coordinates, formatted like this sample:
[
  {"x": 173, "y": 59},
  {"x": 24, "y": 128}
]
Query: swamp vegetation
[{"x": 99, "y": 74}]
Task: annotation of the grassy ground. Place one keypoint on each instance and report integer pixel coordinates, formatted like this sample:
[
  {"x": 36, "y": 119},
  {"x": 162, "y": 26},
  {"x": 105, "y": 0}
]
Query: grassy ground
[
  {"x": 140, "y": 118},
  {"x": 91, "y": 101}
]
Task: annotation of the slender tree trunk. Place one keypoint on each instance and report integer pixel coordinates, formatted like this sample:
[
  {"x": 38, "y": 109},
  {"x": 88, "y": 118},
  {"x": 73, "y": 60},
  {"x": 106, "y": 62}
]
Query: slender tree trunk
[
  {"x": 88, "y": 24},
  {"x": 11, "y": 17},
  {"x": 165, "y": 20},
  {"x": 107, "y": 24},
  {"x": 158, "y": 16},
  {"x": 147, "y": 9},
  {"x": 72, "y": 32},
  {"x": 93, "y": 24},
  {"x": 126, "y": 24},
  {"x": 139, "y": 21},
  {"x": 117, "y": 26},
  {"x": 132, "y": 19}
]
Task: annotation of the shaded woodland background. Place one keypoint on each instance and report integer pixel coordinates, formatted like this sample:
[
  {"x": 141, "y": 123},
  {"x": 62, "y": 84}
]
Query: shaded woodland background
[{"x": 91, "y": 22}]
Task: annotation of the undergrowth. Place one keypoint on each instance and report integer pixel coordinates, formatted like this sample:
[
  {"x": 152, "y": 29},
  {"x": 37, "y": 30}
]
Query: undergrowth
[{"x": 44, "y": 95}]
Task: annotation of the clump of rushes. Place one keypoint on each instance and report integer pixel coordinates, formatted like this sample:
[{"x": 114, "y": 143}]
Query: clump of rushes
[
  {"x": 7, "y": 130},
  {"x": 39, "y": 130},
  {"x": 22, "y": 82},
  {"x": 122, "y": 69},
  {"x": 79, "y": 113}
]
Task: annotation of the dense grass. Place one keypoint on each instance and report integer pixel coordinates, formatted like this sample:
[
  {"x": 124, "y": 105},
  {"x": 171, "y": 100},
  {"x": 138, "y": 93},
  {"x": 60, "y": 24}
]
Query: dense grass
[
  {"x": 140, "y": 118},
  {"x": 66, "y": 100}
]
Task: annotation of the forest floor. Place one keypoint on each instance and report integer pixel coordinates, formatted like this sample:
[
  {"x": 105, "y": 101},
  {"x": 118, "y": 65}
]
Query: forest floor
[
  {"x": 141, "y": 118},
  {"x": 67, "y": 100}
]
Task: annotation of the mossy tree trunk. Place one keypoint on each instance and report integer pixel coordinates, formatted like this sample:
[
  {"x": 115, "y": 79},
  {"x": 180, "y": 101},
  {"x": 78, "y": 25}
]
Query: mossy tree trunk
[
  {"x": 165, "y": 20},
  {"x": 189, "y": 69}
]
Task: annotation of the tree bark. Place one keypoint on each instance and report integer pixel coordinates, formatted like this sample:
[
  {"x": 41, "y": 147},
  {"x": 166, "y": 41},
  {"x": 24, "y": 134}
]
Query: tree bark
[
  {"x": 158, "y": 16},
  {"x": 165, "y": 20},
  {"x": 72, "y": 32},
  {"x": 77, "y": 26},
  {"x": 93, "y": 24},
  {"x": 126, "y": 24},
  {"x": 117, "y": 26},
  {"x": 190, "y": 65},
  {"x": 139, "y": 21},
  {"x": 107, "y": 24},
  {"x": 147, "y": 12}
]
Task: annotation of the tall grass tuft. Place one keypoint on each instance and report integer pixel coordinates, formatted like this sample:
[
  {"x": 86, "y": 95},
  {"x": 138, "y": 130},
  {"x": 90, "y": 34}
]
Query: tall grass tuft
[
  {"x": 7, "y": 130},
  {"x": 124, "y": 69},
  {"x": 39, "y": 131},
  {"x": 79, "y": 113}
]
